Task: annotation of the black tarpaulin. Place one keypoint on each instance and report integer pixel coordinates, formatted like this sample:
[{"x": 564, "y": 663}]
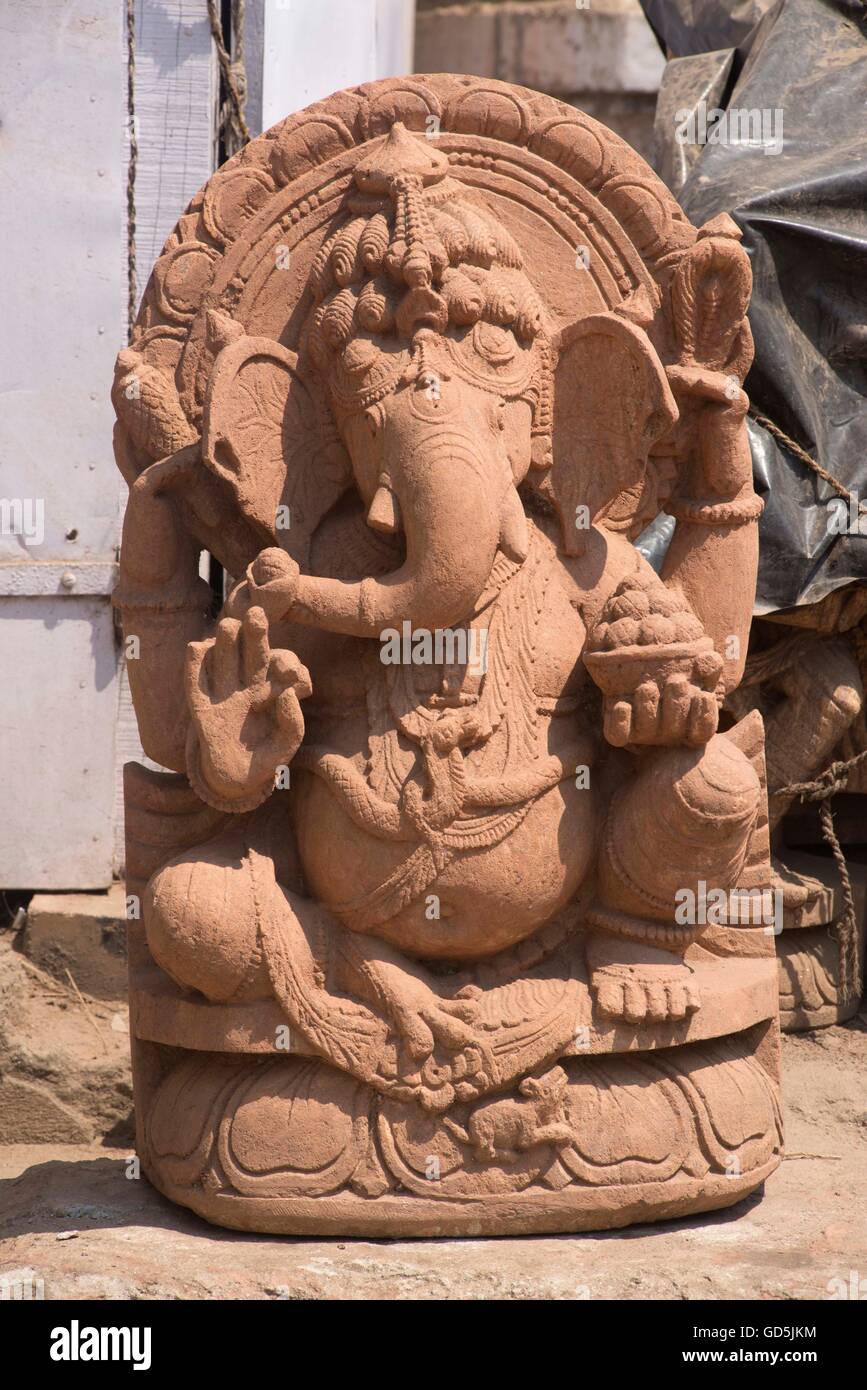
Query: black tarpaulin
[{"x": 789, "y": 163}]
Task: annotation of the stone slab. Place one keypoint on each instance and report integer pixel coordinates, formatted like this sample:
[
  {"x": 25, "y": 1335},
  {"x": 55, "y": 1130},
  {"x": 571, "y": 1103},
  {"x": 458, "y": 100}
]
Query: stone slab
[
  {"x": 739, "y": 994},
  {"x": 83, "y": 933}
]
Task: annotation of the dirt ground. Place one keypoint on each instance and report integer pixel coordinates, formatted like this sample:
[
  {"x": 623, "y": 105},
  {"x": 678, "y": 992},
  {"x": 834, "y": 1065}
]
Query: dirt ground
[{"x": 71, "y": 1217}]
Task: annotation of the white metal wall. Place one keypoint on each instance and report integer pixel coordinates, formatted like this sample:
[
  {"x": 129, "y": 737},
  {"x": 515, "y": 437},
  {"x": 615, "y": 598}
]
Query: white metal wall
[
  {"x": 61, "y": 227},
  {"x": 66, "y": 724},
  {"x": 315, "y": 47}
]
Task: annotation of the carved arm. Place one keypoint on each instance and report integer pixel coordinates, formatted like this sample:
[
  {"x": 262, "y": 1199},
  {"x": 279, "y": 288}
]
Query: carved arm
[{"x": 714, "y": 553}]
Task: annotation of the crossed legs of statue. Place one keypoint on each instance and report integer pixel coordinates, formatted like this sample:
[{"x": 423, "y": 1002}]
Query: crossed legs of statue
[
  {"x": 685, "y": 817},
  {"x": 203, "y": 929}
]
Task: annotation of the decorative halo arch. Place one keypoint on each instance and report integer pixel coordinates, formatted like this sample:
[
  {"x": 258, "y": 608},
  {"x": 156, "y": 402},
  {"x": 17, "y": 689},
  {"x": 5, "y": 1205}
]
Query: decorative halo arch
[{"x": 596, "y": 225}]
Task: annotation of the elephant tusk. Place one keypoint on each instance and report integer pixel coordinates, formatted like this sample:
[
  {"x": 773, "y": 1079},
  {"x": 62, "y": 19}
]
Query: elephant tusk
[
  {"x": 514, "y": 537},
  {"x": 384, "y": 511}
]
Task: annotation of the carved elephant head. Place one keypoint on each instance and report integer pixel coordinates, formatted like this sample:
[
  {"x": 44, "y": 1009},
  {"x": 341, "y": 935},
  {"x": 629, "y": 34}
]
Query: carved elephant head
[{"x": 432, "y": 379}]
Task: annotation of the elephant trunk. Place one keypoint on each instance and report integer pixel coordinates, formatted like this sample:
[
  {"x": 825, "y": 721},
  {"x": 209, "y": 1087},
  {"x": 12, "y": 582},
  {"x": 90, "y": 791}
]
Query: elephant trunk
[{"x": 452, "y": 509}]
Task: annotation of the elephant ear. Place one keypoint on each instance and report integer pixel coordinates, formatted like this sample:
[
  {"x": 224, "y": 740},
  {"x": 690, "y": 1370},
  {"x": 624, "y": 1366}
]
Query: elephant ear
[
  {"x": 611, "y": 402},
  {"x": 267, "y": 434}
]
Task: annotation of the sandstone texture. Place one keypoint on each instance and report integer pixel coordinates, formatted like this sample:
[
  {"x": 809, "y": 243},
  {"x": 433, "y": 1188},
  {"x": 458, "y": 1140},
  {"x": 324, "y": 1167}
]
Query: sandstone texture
[{"x": 434, "y": 923}]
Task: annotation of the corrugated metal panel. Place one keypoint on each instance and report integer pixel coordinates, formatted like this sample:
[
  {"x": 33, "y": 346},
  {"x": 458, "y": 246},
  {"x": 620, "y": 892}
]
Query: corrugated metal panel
[{"x": 176, "y": 95}]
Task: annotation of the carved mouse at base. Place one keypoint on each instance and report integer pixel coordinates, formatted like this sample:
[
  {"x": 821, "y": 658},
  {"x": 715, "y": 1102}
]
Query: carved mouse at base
[{"x": 501, "y": 1130}]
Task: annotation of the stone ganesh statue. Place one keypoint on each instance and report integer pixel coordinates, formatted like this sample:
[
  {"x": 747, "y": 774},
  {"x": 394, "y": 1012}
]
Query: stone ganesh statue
[{"x": 446, "y": 765}]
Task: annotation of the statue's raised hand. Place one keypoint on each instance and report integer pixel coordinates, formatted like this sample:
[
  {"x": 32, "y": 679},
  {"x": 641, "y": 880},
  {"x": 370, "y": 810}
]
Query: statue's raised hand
[{"x": 246, "y": 718}]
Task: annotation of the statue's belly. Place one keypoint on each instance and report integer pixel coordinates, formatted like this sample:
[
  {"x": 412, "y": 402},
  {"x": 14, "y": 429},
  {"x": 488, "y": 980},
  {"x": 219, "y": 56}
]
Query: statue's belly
[{"x": 487, "y": 898}]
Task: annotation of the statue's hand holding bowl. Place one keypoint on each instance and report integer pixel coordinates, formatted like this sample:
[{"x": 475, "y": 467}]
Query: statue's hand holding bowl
[
  {"x": 656, "y": 667},
  {"x": 662, "y": 696}
]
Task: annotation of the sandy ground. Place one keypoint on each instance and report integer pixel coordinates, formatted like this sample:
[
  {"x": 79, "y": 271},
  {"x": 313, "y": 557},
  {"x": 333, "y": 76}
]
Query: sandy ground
[{"x": 70, "y": 1216}]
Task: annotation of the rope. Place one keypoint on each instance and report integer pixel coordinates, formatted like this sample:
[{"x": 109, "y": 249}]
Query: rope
[
  {"x": 828, "y": 783},
  {"x": 131, "y": 269},
  {"x": 834, "y": 779},
  {"x": 807, "y": 459},
  {"x": 236, "y": 132}
]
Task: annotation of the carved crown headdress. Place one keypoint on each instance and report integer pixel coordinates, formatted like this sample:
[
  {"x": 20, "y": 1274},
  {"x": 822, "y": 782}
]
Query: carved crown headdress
[{"x": 414, "y": 253}]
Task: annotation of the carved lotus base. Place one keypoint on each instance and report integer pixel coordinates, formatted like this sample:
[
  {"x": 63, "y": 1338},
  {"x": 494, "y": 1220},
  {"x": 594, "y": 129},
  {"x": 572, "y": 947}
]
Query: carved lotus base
[{"x": 290, "y": 1146}]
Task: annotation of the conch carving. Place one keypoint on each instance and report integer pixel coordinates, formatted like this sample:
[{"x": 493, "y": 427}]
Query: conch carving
[{"x": 455, "y": 743}]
